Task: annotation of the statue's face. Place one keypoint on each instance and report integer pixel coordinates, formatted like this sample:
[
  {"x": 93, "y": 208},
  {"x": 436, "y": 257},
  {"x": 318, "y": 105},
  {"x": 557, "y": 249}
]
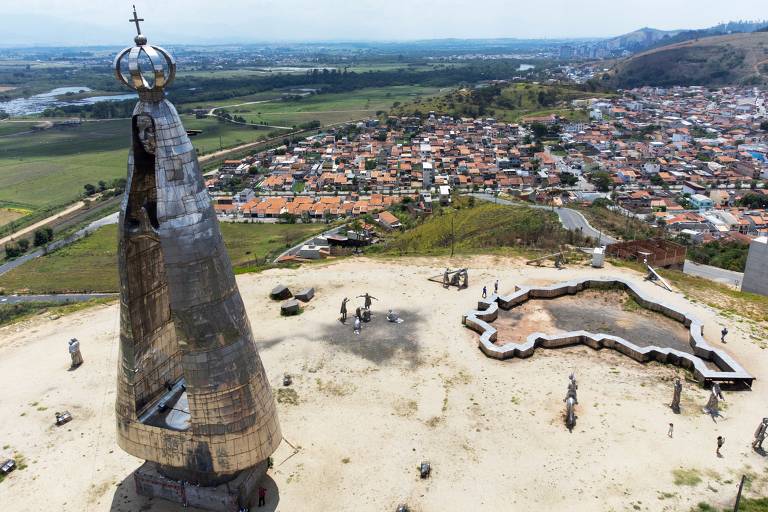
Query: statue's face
[{"x": 145, "y": 131}]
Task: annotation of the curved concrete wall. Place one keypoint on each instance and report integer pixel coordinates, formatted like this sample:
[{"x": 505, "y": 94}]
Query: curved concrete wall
[{"x": 487, "y": 310}]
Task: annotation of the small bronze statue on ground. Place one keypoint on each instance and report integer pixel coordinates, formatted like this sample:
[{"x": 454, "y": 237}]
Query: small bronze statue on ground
[
  {"x": 74, "y": 353},
  {"x": 676, "y": 396}
]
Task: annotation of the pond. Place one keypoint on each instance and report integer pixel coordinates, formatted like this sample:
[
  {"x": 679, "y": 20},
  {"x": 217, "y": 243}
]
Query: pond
[{"x": 55, "y": 98}]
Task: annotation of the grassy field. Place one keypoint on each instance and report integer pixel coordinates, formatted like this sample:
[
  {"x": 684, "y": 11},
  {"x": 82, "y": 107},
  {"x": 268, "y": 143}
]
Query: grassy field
[
  {"x": 484, "y": 227},
  {"x": 50, "y": 167},
  {"x": 10, "y": 313},
  {"x": 329, "y": 108},
  {"x": 616, "y": 224},
  {"x": 90, "y": 265}
]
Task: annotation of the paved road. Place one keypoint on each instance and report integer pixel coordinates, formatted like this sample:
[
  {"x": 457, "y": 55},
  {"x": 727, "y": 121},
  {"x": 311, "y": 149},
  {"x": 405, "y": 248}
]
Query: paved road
[
  {"x": 570, "y": 219},
  {"x": 63, "y": 298},
  {"x": 90, "y": 228},
  {"x": 573, "y": 220},
  {"x": 719, "y": 275}
]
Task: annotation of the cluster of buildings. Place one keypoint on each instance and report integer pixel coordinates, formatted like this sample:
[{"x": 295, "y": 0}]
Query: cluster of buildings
[{"x": 684, "y": 157}]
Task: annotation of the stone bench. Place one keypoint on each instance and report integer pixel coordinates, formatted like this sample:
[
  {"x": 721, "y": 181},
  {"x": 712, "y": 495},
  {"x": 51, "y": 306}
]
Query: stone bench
[
  {"x": 280, "y": 292},
  {"x": 305, "y": 295},
  {"x": 290, "y": 307}
]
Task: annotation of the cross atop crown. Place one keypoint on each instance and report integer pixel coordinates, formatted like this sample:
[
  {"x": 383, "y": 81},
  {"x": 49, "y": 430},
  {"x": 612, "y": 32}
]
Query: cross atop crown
[
  {"x": 136, "y": 20},
  {"x": 150, "y": 78}
]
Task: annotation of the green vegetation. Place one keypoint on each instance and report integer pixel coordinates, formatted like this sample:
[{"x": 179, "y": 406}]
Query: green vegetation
[
  {"x": 718, "y": 296},
  {"x": 486, "y": 227},
  {"x": 327, "y": 108},
  {"x": 90, "y": 264},
  {"x": 746, "y": 505},
  {"x": 258, "y": 243},
  {"x": 754, "y": 200},
  {"x": 505, "y": 103},
  {"x": 50, "y": 167},
  {"x": 615, "y": 224},
  {"x": 10, "y": 313},
  {"x": 690, "y": 477},
  {"x": 710, "y": 61},
  {"x": 727, "y": 255}
]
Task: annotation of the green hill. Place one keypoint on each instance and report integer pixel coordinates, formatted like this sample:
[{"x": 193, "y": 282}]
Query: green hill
[
  {"x": 508, "y": 103},
  {"x": 737, "y": 59},
  {"x": 483, "y": 227}
]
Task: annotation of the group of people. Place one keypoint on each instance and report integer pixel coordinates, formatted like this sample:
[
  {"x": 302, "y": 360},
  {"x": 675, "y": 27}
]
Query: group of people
[{"x": 363, "y": 314}]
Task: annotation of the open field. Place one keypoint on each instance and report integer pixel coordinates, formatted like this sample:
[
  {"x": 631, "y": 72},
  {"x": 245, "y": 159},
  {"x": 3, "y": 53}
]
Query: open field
[
  {"x": 364, "y": 411},
  {"x": 10, "y": 214},
  {"x": 50, "y": 167},
  {"x": 90, "y": 264},
  {"x": 330, "y": 108}
]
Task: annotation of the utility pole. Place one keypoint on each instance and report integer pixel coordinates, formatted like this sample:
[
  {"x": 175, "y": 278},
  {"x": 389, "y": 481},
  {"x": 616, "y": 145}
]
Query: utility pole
[
  {"x": 738, "y": 495},
  {"x": 453, "y": 236}
]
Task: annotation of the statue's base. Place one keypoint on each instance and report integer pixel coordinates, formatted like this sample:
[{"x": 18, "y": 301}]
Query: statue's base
[{"x": 230, "y": 496}]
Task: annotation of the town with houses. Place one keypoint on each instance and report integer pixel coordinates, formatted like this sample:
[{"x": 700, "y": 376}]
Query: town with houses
[{"x": 681, "y": 157}]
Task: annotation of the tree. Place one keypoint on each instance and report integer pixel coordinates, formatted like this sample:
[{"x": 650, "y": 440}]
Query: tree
[
  {"x": 12, "y": 250},
  {"x": 119, "y": 185},
  {"x": 102, "y": 185},
  {"x": 568, "y": 179},
  {"x": 42, "y": 236},
  {"x": 764, "y": 126},
  {"x": 602, "y": 181},
  {"x": 23, "y": 244},
  {"x": 539, "y": 130},
  {"x": 754, "y": 201},
  {"x": 89, "y": 189}
]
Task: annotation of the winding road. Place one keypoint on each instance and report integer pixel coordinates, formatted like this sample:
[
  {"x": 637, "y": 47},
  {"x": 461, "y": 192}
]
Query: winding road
[
  {"x": 573, "y": 220},
  {"x": 570, "y": 219}
]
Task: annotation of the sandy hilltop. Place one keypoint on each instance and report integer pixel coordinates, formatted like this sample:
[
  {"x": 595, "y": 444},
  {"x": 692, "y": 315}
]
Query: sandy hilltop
[{"x": 364, "y": 411}]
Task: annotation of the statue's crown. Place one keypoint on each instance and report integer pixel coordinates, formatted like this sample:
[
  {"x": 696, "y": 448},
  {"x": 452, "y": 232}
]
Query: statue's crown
[{"x": 162, "y": 64}]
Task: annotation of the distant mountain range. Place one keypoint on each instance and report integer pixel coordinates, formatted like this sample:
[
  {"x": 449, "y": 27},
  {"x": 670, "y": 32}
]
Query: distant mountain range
[{"x": 648, "y": 38}]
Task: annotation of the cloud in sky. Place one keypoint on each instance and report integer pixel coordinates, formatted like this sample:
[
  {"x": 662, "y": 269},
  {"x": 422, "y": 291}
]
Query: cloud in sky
[{"x": 75, "y": 22}]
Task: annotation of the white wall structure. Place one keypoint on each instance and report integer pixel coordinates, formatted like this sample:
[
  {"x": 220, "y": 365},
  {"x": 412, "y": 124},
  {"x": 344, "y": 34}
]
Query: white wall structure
[{"x": 756, "y": 271}]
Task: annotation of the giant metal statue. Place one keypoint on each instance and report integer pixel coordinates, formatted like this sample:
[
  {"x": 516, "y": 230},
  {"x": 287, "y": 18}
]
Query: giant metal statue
[{"x": 192, "y": 395}]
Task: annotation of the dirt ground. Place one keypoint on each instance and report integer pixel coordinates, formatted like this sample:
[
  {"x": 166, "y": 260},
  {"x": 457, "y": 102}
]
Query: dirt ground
[
  {"x": 365, "y": 410},
  {"x": 605, "y": 311}
]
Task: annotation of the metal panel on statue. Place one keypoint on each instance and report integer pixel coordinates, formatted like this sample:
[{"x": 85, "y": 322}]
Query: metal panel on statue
[{"x": 192, "y": 393}]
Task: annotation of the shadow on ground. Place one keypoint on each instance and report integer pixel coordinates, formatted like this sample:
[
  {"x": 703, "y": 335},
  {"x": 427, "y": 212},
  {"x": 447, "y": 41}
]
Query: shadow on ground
[
  {"x": 126, "y": 499},
  {"x": 380, "y": 342}
]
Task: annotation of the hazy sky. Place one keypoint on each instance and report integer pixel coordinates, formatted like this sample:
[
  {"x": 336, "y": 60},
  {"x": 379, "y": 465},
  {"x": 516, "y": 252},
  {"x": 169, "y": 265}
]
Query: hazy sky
[{"x": 74, "y": 22}]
